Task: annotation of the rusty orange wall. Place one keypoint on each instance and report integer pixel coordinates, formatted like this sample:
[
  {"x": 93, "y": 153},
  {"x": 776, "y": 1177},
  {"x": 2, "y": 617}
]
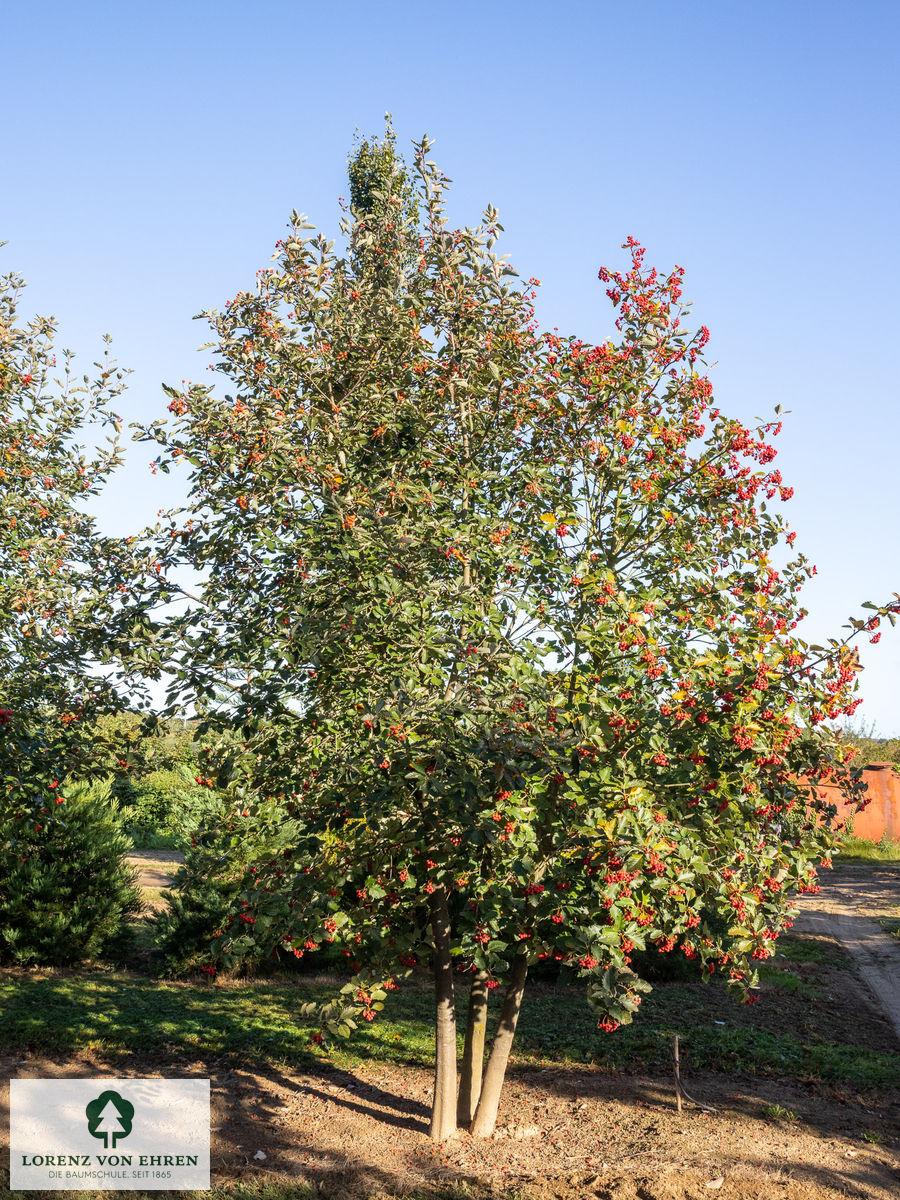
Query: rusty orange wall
[{"x": 882, "y": 814}]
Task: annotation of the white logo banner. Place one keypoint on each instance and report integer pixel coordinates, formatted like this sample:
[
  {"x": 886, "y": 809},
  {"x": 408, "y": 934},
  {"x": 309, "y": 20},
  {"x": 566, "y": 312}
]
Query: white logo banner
[{"x": 109, "y": 1134}]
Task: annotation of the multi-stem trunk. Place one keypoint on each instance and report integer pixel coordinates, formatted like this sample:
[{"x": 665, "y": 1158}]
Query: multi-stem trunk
[
  {"x": 473, "y": 1051},
  {"x": 443, "y": 1113},
  {"x": 489, "y": 1101}
]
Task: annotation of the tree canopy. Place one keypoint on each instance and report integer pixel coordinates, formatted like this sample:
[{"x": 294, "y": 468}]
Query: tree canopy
[
  {"x": 497, "y": 628},
  {"x": 58, "y": 577}
]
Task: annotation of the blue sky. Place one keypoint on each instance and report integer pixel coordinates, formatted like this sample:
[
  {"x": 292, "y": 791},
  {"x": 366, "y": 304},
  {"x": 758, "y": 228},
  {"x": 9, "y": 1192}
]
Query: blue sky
[{"x": 152, "y": 153}]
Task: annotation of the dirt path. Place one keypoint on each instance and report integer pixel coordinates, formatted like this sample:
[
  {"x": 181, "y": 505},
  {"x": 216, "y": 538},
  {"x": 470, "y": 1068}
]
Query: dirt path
[
  {"x": 155, "y": 868},
  {"x": 846, "y": 908}
]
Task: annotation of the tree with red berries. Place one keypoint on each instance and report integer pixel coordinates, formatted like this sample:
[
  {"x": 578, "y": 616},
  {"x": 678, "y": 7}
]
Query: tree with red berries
[
  {"x": 497, "y": 630},
  {"x": 58, "y": 577}
]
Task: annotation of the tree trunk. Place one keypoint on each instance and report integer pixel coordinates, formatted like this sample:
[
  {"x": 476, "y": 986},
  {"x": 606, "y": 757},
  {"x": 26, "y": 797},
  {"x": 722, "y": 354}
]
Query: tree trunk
[
  {"x": 473, "y": 1053},
  {"x": 489, "y": 1102},
  {"x": 443, "y": 1113}
]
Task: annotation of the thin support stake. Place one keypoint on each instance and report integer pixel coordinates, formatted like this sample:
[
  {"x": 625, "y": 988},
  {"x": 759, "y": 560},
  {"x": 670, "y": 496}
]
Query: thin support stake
[{"x": 679, "y": 1088}]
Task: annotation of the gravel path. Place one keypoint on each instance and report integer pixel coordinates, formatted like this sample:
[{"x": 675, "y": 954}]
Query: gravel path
[
  {"x": 156, "y": 868},
  {"x": 846, "y": 908}
]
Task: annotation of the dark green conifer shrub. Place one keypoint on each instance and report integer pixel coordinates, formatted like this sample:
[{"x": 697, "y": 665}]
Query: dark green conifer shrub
[
  {"x": 66, "y": 892},
  {"x": 198, "y": 907}
]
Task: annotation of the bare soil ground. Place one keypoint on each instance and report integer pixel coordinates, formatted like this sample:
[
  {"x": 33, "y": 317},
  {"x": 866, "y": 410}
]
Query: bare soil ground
[
  {"x": 141, "y": 857},
  {"x": 563, "y": 1133}
]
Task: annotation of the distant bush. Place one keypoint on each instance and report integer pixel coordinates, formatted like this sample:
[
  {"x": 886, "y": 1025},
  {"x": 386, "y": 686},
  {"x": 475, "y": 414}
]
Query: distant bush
[
  {"x": 66, "y": 893},
  {"x": 165, "y": 805},
  {"x": 130, "y": 745},
  {"x": 878, "y": 750},
  {"x": 868, "y": 747}
]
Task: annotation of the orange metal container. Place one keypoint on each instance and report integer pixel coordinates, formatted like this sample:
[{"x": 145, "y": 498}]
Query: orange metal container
[{"x": 882, "y": 814}]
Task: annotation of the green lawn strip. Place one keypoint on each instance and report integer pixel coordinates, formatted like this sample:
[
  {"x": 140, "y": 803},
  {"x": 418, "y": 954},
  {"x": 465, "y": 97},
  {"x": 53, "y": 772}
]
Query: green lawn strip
[
  {"x": 118, "y": 1012},
  {"x": 807, "y": 950},
  {"x": 787, "y": 981},
  {"x": 854, "y": 849},
  {"x": 691, "y": 1011}
]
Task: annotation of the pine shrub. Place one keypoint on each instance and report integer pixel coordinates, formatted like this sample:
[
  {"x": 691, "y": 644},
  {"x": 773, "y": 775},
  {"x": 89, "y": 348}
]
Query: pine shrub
[
  {"x": 198, "y": 906},
  {"x": 66, "y": 893}
]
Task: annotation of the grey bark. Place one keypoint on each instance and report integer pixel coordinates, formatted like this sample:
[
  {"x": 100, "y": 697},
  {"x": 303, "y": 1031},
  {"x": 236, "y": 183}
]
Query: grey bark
[
  {"x": 473, "y": 1051},
  {"x": 443, "y": 1113},
  {"x": 489, "y": 1102}
]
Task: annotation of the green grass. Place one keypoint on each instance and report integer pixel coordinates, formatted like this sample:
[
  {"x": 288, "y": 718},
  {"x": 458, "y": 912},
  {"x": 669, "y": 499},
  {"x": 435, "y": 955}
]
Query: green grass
[
  {"x": 149, "y": 839},
  {"x": 776, "y": 1112},
  {"x": 787, "y": 981},
  {"x": 853, "y": 849},
  {"x": 804, "y": 950},
  {"x": 126, "y": 1012}
]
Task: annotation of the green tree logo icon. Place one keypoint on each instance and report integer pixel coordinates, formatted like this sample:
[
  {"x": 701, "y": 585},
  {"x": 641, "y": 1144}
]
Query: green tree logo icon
[{"x": 109, "y": 1116}]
